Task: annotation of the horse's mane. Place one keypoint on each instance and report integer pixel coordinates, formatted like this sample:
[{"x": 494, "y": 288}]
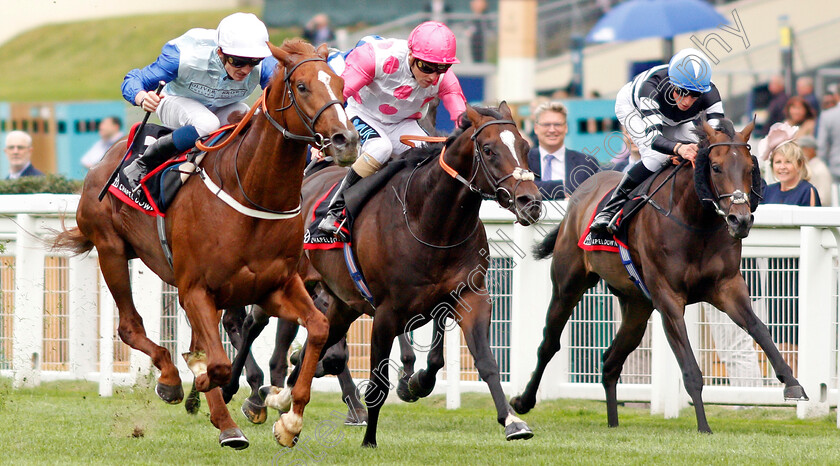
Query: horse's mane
[
  {"x": 417, "y": 154},
  {"x": 297, "y": 47},
  {"x": 701, "y": 165}
]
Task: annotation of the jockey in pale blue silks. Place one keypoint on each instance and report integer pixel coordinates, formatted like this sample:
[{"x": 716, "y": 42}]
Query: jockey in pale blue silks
[{"x": 208, "y": 74}]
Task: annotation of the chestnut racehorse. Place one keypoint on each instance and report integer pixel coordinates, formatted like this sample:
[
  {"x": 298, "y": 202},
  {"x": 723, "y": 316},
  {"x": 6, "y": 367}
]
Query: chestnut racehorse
[
  {"x": 687, "y": 248},
  {"x": 232, "y": 246}
]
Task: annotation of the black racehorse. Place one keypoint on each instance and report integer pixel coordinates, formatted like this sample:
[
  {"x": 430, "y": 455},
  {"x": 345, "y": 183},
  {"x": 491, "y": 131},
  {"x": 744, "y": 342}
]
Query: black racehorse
[{"x": 687, "y": 252}]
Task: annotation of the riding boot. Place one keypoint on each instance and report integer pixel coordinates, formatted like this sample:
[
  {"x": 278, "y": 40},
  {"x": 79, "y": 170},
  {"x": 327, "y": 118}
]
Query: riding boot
[
  {"x": 331, "y": 224},
  {"x": 160, "y": 151},
  {"x": 604, "y": 222}
]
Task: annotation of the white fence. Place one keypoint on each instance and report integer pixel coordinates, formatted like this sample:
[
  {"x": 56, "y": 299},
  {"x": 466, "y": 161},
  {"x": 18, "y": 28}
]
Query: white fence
[{"x": 57, "y": 319}]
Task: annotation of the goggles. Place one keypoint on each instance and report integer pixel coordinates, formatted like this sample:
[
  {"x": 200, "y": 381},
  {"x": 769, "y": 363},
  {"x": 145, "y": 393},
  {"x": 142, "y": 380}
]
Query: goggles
[
  {"x": 430, "y": 68},
  {"x": 687, "y": 92},
  {"x": 241, "y": 62}
]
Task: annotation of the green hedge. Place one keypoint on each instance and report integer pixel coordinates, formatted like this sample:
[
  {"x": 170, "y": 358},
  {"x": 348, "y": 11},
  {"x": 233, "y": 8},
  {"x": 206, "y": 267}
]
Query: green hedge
[{"x": 55, "y": 184}]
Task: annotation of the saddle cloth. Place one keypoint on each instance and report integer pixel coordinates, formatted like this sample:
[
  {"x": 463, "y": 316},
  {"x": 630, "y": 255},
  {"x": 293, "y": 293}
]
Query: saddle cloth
[{"x": 161, "y": 184}]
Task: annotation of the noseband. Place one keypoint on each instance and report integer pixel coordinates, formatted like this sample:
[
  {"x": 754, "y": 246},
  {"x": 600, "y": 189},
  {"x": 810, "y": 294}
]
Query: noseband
[
  {"x": 518, "y": 173},
  {"x": 738, "y": 196},
  {"x": 317, "y": 139}
]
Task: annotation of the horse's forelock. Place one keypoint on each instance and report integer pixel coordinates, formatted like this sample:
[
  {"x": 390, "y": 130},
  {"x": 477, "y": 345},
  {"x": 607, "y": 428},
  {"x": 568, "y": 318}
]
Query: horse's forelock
[
  {"x": 297, "y": 47},
  {"x": 724, "y": 125}
]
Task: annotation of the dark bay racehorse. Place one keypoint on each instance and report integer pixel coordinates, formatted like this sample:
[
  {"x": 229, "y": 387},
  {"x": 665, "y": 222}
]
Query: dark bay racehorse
[
  {"x": 422, "y": 247},
  {"x": 690, "y": 253},
  {"x": 224, "y": 257}
]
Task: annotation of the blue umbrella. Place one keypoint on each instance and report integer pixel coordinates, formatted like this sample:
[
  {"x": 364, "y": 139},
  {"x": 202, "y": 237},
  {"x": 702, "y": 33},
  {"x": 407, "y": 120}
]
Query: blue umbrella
[{"x": 637, "y": 19}]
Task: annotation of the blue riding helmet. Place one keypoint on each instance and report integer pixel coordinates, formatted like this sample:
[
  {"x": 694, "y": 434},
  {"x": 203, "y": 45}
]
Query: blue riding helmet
[{"x": 690, "y": 70}]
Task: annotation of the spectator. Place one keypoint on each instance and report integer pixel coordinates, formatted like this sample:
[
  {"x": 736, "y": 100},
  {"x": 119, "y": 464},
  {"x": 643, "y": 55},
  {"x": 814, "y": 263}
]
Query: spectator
[
  {"x": 776, "y": 107},
  {"x": 798, "y": 112},
  {"x": 820, "y": 176},
  {"x": 317, "y": 31},
  {"x": 789, "y": 169},
  {"x": 19, "y": 153},
  {"x": 561, "y": 170},
  {"x": 110, "y": 131},
  {"x": 734, "y": 348},
  {"x": 630, "y": 156},
  {"x": 805, "y": 90},
  {"x": 478, "y": 28},
  {"x": 828, "y": 101},
  {"x": 828, "y": 141}
]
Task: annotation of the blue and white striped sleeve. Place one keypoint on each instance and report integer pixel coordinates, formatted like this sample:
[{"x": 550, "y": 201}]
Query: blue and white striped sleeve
[
  {"x": 165, "y": 69},
  {"x": 267, "y": 70}
]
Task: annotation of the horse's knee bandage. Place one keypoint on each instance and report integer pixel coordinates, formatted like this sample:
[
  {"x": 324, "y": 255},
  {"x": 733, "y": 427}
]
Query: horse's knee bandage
[{"x": 366, "y": 165}]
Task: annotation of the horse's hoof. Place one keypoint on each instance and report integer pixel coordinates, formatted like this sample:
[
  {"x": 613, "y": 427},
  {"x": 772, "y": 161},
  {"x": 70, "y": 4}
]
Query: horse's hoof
[
  {"x": 416, "y": 388},
  {"x": 356, "y": 417},
  {"x": 795, "y": 393},
  {"x": 519, "y": 406},
  {"x": 172, "y": 394},
  {"x": 518, "y": 431},
  {"x": 286, "y": 429},
  {"x": 279, "y": 399},
  {"x": 233, "y": 438},
  {"x": 254, "y": 412},
  {"x": 404, "y": 392},
  {"x": 193, "y": 403},
  {"x": 228, "y": 392}
]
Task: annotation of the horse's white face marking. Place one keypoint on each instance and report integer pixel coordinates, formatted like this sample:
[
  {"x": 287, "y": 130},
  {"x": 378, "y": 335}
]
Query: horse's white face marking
[
  {"x": 325, "y": 78},
  {"x": 508, "y": 139}
]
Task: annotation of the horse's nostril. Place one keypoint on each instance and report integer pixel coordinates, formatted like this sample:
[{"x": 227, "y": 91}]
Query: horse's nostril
[
  {"x": 732, "y": 219},
  {"x": 338, "y": 140}
]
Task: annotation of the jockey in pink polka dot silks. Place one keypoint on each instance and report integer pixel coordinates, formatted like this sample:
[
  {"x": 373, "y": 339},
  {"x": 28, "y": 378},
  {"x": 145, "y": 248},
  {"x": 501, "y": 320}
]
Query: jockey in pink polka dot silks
[{"x": 388, "y": 84}]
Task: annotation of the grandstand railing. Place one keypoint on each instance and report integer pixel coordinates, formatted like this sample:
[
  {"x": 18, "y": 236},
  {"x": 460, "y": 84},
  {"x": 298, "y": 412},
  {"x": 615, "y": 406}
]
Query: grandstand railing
[{"x": 58, "y": 321}]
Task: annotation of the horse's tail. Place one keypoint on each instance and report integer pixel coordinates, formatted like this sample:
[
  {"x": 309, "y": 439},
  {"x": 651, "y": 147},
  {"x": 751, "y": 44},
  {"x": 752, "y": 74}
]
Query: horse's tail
[
  {"x": 545, "y": 247},
  {"x": 71, "y": 240}
]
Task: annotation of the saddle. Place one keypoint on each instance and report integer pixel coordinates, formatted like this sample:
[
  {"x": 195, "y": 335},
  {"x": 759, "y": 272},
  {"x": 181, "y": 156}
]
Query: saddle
[
  {"x": 355, "y": 198},
  {"x": 158, "y": 188}
]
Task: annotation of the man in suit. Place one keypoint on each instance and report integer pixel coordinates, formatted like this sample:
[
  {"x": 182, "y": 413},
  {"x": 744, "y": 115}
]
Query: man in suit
[
  {"x": 19, "y": 152},
  {"x": 561, "y": 170}
]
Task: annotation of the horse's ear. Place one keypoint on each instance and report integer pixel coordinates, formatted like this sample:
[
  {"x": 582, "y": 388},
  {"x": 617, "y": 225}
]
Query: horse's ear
[
  {"x": 707, "y": 128},
  {"x": 505, "y": 110},
  {"x": 473, "y": 115},
  {"x": 747, "y": 131},
  {"x": 278, "y": 53},
  {"x": 323, "y": 51}
]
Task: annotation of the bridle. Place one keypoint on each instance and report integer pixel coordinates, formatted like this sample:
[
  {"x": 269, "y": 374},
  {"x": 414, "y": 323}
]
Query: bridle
[
  {"x": 737, "y": 196},
  {"x": 518, "y": 173},
  {"x": 316, "y": 139}
]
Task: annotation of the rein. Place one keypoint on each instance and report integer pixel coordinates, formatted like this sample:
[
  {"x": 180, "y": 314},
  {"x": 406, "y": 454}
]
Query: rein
[
  {"x": 478, "y": 161},
  {"x": 317, "y": 139}
]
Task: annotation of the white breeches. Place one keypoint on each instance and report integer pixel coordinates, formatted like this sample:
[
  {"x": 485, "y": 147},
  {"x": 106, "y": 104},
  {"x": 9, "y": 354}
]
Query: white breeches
[{"x": 175, "y": 112}]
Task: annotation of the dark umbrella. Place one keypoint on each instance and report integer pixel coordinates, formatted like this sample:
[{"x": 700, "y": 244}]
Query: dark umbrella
[{"x": 637, "y": 19}]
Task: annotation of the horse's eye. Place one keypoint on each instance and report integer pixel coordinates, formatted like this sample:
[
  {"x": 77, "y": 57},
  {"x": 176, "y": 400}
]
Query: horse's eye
[
  {"x": 487, "y": 151},
  {"x": 716, "y": 168},
  {"x": 301, "y": 87}
]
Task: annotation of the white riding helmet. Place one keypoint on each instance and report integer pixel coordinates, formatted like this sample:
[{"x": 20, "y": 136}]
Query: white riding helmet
[{"x": 243, "y": 35}]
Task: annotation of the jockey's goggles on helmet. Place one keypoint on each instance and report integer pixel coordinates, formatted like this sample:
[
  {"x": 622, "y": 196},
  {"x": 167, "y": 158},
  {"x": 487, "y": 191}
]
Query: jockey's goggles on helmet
[
  {"x": 241, "y": 62},
  {"x": 430, "y": 68},
  {"x": 687, "y": 92}
]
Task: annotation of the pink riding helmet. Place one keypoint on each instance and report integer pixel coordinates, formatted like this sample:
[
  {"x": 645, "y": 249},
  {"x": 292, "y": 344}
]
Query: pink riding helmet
[{"x": 433, "y": 42}]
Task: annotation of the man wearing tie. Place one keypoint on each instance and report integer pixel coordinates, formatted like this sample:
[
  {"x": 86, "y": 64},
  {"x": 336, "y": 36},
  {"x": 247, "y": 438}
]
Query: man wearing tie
[{"x": 561, "y": 170}]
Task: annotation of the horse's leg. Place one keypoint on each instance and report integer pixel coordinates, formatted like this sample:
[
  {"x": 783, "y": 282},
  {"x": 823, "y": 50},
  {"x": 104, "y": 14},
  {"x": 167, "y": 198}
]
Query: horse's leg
[
  {"x": 356, "y": 414},
  {"x": 279, "y": 363},
  {"x": 672, "y": 309},
  {"x": 475, "y": 323},
  {"x": 733, "y": 297},
  {"x": 193, "y": 400},
  {"x": 204, "y": 319},
  {"x": 292, "y": 302},
  {"x": 253, "y": 408},
  {"x": 634, "y": 318},
  {"x": 114, "y": 266},
  {"x": 422, "y": 383},
  {"x": 381, "y": 340},
  {"x": 408, "y": 358},
  {"x": 252, "y": 326},
  {"x": 569, "y": 283}
]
